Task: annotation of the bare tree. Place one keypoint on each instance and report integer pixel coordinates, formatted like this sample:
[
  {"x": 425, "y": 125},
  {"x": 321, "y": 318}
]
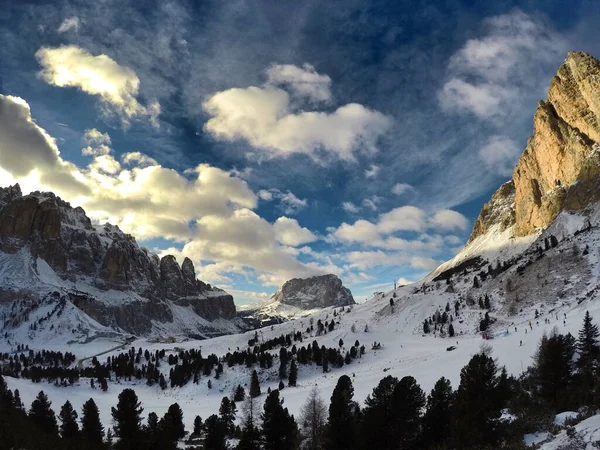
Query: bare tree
[{"x": 313, "y": 418}]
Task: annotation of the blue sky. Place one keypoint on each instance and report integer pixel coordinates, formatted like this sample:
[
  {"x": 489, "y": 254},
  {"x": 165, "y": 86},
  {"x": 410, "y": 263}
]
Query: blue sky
[{"x": 268, "y": 140}]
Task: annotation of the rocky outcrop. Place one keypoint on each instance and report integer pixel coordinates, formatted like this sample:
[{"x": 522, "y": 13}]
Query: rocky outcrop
[
  {"x": 315, "y": 292},
  {"x": 560, "y": 166},
  {"x": 105, "y": 259},
  {"x": 499, "y": 210}
]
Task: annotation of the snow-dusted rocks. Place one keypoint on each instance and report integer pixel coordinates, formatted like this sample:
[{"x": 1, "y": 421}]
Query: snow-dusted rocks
[
  {"x": 314, "y": 292},
  {"x": 101, "y": 271}
]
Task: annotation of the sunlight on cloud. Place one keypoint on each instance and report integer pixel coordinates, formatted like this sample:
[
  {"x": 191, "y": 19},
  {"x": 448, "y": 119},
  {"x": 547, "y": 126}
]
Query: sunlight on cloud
[
  {"x": 265, "y": 117},
  {"x": 117, "y": 86},
  {"x": 71, "y": 23},
  {"x": 303, "y": 82},
  {"x": 488, "y": 75}
]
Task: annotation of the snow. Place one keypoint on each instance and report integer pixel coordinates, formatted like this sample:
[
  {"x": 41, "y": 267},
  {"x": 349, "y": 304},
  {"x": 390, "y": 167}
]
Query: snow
[
  {"x": 536, "y": 438},
  {"x": 562, "y": 417},
  {"x": 562, "y": 285}
]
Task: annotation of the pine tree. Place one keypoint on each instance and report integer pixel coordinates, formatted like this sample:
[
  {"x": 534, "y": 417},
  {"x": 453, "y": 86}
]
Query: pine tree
[
  {"x": 42, "y": 415},
  {"x": 69, "y": 429},
  {"x": 198, "y": 426},
  {"x": 92, "y": 431},
  {"x": 172, "y": 424},
  {"x": 254, "y": 385},
  {"x": 451, "y": 331},
  {"x": 408, "y": 401},
  {"x": 553, "y": 369},
  {"x": 378, "y": 416},
  {"x": 587, "y": 343},
  {"x": 240, "y": 393},
  {"x": 216, "y": 434},
  {"x": 478, "y": 404},
  {"x": 487, "y": 302},
  {"x": 154, "y": 435},
  {"x": 283, "y": 357},
  {"x": 227, "y": 412},
  {"x": 426, "y": 326},
  {"x": 128, "y": 418},
  {"x": 342, "y": 417},
  {"x": 279, "y": 427},
  {"x": 293, "y": 378},
  {"x": 437, "y": 419}
]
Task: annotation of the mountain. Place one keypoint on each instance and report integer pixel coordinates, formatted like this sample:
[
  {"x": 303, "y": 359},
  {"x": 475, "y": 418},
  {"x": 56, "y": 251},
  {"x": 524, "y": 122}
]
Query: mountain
[
  {"x": 52, "y": 260},
  {"x": 314, "y": 292},
  {"x": 300, "y": 297},
  {"x": 560, "y": 167}
]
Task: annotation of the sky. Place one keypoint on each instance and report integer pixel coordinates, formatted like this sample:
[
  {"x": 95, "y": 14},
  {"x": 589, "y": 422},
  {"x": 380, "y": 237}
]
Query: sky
[{"x": 268, "y": 140}]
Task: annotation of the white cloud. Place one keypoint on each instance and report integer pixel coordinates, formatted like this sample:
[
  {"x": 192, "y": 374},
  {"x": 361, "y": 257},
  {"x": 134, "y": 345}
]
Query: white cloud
[
  {"x": 303, "y": 82},
  {"x": 208, "y": 209},
  {"x": 98, "y": 143},
  {"x": 117, "y": 86},
  {"x": 364, "y": 260},
  {"x": 71, "y": 23},
  {"x": 402, "y": 219},
  {"x": 27, "y": 150},
  {"x": 489, "y": 75},
  {"x": 500, "y": 154},
  {"x": 289, "y": 232},
  {"x": 350, "y": 207},
  {"x": 372, "y": 171},
  {"x": 265, "y": 118},
  {"x": 450, "y": 220},
  {"x": 401, "y": 188},
  {"x": 289, "y": 202}
]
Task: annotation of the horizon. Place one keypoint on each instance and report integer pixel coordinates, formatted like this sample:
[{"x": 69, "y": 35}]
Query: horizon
[{"x": 269, "y": 142}]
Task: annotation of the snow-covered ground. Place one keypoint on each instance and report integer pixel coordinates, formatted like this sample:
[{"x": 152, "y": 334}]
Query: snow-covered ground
[{"x": 561, "y": 285}]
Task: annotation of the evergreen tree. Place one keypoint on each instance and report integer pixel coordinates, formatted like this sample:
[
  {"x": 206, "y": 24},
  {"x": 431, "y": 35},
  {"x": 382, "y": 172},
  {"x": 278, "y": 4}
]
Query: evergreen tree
[
  {"x": 587, "y": 343},
  {"x": 92, "y": 431},
  {"x": 69, "y": 429},
  {"x": 451, "y": 330},
  {"x": 426, "y": 326},
  {"x": 588, "y": 349},
  {"x": 216, "y": 434},
  {"x": 487, "y": 302},
  {"x": 378, "y": 415},
  {"x": 293, "y": 378},
  {"x": 342, "y": 416},
  {"x": 254, "y": 385},
  {"x": 279, "y": 427},
  {"x": 408, "y": 401},
  {"x": 554, "y": 369},
  {"x": 172, "y": 424},
  {"x": 227, "y": 413},
  {"x": 198, "y": 426},
  {"x": 478, "y": 404},
  {"x": 283, "y": 357},
  {"x": 42, "y": 415},
  {"x": 240, "y": 393},
  {"x": 437, "y": 419},
  {"x": 128, "y": 418},
  {"x": 313, "y": 418},
  {"x": 154, "y": 435}
]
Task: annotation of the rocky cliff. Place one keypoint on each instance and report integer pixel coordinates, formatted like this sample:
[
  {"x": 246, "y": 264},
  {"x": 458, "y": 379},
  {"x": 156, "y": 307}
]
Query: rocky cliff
[
  {"x": 560, "y": 167},
  {"x": 315, "y": 292},
  {"x": 98, "y": 264}
]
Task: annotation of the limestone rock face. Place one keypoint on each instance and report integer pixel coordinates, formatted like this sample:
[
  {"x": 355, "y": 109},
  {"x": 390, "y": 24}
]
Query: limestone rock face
[
  {"x": 560, "y": 166},
  {"x": 315, "y": 292},
  {"x": 105, "y": 258}
]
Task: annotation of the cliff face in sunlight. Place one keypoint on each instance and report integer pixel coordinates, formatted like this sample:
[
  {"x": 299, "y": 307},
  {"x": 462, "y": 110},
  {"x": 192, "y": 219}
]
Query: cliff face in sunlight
[{"x": 560, "y": 166}]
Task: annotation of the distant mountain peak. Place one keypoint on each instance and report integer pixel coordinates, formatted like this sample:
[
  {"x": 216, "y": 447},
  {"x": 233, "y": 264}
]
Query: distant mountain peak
[{"x": 315, "y": 292}]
